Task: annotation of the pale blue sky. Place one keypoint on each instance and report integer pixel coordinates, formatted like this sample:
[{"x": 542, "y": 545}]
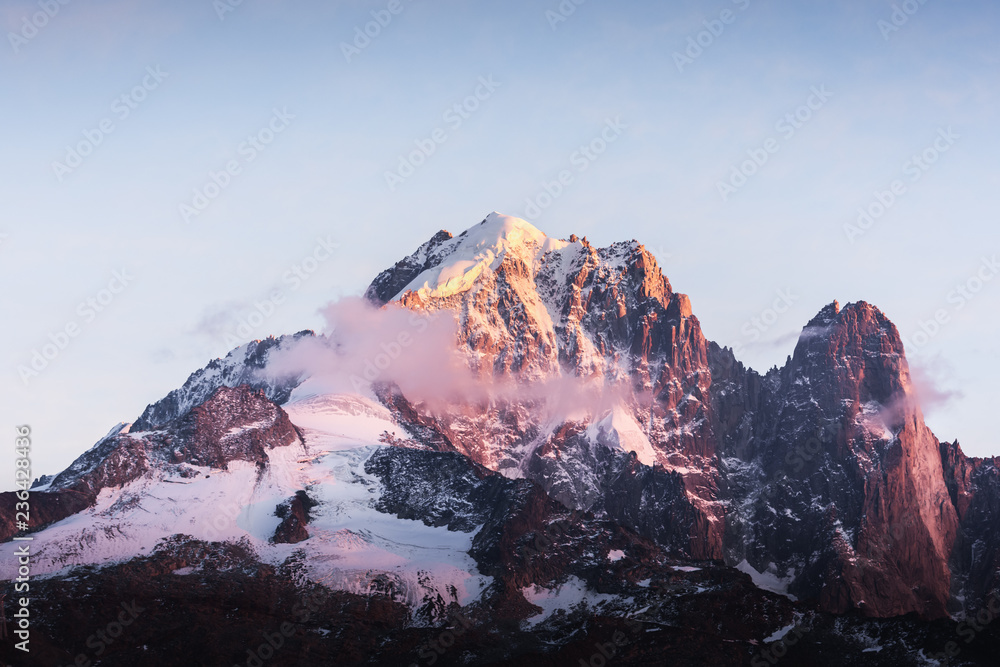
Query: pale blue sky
[{"x": 556, "y": 86}]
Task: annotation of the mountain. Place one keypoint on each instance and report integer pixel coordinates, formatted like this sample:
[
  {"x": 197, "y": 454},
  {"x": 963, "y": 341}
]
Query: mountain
[
  {"x": 606, "y": 477},
  {"x": 821, "y": 473}
]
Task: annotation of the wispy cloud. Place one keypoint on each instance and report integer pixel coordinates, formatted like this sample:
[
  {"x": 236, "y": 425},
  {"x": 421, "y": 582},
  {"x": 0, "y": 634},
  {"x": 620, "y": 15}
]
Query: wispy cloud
[{"x": 930, "y": 378}]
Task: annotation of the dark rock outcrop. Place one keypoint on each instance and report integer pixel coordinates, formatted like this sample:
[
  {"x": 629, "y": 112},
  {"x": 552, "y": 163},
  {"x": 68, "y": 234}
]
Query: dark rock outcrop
[
  {"x": 294, "y": 515},
  {"x": 391, "y": 281}
]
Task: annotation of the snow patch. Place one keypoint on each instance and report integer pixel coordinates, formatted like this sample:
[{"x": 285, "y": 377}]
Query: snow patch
[
  {"x": 563, "y": 597},
  {"x": 619, "y": 430},
  {"x": 780, "y": 634},
  {"x": 478, "y": 250},
  {"x": 768, "y": 580},
  {"x": 341, "y": 421}
]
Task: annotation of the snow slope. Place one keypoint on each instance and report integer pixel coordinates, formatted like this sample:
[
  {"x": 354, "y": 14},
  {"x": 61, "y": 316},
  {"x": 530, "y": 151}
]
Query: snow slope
[{"x": 352, "y": 546}]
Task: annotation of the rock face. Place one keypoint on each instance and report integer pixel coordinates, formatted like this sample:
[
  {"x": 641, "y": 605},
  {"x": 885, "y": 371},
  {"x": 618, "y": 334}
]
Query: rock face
[
  {"x": 821, "y": 473},
  {"x": 857, "y": 510},
  {"x": 974, "y": 486},
  {"x": 233, "y": 424}
]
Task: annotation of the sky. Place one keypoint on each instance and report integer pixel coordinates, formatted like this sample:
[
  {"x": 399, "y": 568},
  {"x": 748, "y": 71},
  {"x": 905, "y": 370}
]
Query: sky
[{"x": 171, "y": 168}]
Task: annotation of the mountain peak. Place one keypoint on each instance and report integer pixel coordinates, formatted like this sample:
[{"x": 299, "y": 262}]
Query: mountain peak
[
  {"x": 826, "y": 315},
  {"x": 859, "y": 317},
  {"x": 456, "y": 263},
  {"x": 497, "y": 219},
  {"x": 497, "y": 228},
  {"x": 852, "y": 353},
  {"x": 446, "y": 264}
]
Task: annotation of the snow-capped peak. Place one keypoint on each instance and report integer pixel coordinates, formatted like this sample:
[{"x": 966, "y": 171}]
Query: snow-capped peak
[{"x": 478, "y": 249}]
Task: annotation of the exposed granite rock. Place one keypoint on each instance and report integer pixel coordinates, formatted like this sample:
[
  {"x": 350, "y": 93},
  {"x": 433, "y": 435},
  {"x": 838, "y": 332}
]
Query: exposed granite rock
[{"x": 294, "y": 515}]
